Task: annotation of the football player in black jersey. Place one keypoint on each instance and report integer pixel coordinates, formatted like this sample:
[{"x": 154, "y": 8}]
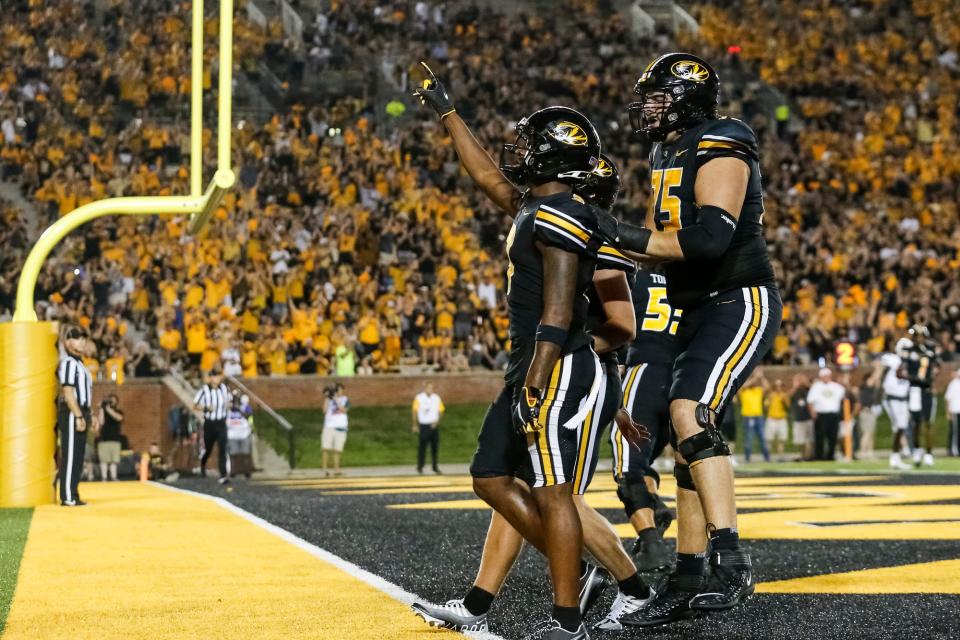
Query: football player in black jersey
[
  {"x": 534, "y": 430},
  {"x": 920, "y": 366},
  {"x": 705, "y": 224},
  {"x": 646, "y": 386}
]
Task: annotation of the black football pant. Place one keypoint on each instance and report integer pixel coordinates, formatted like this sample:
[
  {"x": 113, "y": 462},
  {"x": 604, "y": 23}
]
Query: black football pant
[
  {"x": 429, "y": 435},
  {"x": 825, "y": 429},
  {"x": 215, "y": 432},
  {"x": 73, "y": 445}
]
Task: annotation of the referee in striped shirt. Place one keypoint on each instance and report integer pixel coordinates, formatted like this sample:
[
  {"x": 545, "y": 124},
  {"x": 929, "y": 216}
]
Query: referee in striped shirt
[
  {"x": 213, "y": 399},
  {"x": 73, "y": 413}
]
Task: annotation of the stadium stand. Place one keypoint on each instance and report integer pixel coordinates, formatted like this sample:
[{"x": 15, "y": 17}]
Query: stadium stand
[{"x": 349, "y": 245}]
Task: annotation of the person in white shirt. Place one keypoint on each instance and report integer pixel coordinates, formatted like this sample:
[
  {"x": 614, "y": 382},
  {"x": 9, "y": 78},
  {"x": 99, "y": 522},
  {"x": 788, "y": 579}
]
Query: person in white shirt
[
  {"x": 896, "y": 391},
  {"x": 334, "y": 435},
  {"x": 825, "y": 401},
  {"x": 426, "y": 413},
  {"x": 952, "y": 398}
]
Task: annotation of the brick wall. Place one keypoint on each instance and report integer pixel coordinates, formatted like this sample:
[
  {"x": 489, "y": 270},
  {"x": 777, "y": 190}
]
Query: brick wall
[
  {"x": 295, "y": 392},
  {"x": 145, "y": 404}
]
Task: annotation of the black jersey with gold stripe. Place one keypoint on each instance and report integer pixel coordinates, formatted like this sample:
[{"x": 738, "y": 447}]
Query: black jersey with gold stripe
[
  {"x": 657, "y": 321},
  {"x": 607, "y": 258},
  {"x": 674, "y": 169},
  {"x": 560, "y": 220}
]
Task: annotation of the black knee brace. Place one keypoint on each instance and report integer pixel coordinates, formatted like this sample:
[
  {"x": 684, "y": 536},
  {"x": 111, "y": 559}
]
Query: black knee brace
[
  {"x": 684, "y": 478},
  {"x": 635, "y": 496},
  {"x": 650, "y": 472},
  {"x": 706, "y": 444}
]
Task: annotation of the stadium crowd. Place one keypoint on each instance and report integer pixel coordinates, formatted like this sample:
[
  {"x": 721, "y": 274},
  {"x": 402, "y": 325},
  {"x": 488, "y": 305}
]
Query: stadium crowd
[{"x": 350, "y": 245}]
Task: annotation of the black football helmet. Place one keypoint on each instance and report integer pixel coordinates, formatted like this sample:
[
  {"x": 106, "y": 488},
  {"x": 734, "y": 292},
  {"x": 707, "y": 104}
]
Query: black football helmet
[
  {"x": 602, "y": 186},
  {"x": 677, "y": 91},
  {"x": 553, "y": 144}
]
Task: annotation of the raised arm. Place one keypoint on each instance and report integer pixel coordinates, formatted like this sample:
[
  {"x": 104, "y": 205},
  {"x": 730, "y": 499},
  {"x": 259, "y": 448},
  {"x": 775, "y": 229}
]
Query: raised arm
[{"x": 479, "y": 165}]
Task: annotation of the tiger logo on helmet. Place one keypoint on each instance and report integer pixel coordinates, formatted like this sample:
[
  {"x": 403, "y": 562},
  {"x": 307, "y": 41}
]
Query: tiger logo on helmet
[
  {"x": 690, "y": 70},
  {"x": 569, "y": 133}
]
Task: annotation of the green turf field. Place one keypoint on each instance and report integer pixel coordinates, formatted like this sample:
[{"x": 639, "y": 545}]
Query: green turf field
[
  {"x": 14, "y": 524},
  {"x": 382, "y": 436},
  {"x": 378, "y": 435}
]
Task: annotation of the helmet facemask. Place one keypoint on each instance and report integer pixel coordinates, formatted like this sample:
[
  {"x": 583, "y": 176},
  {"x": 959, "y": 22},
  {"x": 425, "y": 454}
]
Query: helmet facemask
[{"x": 513, "y": 158}]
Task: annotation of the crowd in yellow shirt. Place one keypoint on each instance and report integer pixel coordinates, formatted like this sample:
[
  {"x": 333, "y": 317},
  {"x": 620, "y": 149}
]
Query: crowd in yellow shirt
[{"x": 365, "y": 250}]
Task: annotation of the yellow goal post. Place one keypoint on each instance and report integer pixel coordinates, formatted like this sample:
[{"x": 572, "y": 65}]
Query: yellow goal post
[{"x": 28, "y": 352}]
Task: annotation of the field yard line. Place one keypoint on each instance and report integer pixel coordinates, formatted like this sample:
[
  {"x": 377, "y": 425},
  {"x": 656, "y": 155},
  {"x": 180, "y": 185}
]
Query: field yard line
[{"x": 375, "y": 581}]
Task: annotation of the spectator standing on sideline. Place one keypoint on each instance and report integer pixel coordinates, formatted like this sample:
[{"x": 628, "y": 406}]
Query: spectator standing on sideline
[
  {"x": 870, "y": 397},
  {"x": 849, "y": 413},
  {"x": 952, "y": 398},
  {"x": 110, "y": 440},
  {"x": 335, "y": 423},
  {"x": 213, "y": 399},
  {"x": 751, "y": 408},
  {"x": 73, "y": 413},
  {"x": 802, "y": 420},
  {"x": 825, "y": 401},
  {"x": 427, "y": 410},
  {"x": 775, "y": 429}
]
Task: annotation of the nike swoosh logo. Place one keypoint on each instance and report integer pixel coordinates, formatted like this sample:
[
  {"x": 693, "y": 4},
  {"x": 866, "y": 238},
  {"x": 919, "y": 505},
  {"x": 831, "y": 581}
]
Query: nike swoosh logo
[{"x": 681, "y": 152}]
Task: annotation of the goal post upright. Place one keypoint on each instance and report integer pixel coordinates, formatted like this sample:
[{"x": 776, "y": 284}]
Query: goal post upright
[{"x": 28, "y": 352}]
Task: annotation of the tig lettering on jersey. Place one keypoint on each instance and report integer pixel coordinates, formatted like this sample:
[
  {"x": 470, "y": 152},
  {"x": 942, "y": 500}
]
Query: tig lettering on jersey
[{"x": 657, "y": 321}]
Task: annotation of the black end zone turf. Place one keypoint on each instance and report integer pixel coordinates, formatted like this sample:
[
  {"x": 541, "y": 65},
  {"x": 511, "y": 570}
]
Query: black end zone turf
[{"x": 434, "y": 554}]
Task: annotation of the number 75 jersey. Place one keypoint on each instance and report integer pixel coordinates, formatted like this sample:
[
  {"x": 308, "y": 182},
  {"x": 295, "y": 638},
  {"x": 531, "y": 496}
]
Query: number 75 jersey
[{"x": 674, "y": 169}]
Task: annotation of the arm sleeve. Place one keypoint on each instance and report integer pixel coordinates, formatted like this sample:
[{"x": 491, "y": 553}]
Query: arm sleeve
[
  {"x": 727, "y": 138},
  {"x": 569, "y": 227},
  {"x": 710, "y": 236},
  {"x": 610, "y": 258},
  {"x": 197, "y": 398}
]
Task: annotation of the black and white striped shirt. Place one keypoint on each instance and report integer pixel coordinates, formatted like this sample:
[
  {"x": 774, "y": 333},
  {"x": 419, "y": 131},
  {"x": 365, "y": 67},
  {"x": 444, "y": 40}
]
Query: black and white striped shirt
[
  {"x": 215, "y": 401},
  {"x": 71, "y": 372}
]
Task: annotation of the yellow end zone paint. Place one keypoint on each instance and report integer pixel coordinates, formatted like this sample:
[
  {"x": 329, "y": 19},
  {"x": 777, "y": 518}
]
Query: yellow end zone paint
[
  {"x": 810, "y": 512},
  {"x": 925, "y": 577},
  {"x": 142, "y": 561}
]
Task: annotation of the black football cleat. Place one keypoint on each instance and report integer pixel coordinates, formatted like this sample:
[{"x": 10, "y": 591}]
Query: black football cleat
[
  {"x": 671, "y": 603},
  {"x": 651, "y": 555},
  {"x": 729, "y": 582},
  {"x": 551, "y": 630}
]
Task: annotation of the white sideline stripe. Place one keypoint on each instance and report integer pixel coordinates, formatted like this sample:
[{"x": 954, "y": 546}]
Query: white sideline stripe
[{"x": 373, "y": 580}]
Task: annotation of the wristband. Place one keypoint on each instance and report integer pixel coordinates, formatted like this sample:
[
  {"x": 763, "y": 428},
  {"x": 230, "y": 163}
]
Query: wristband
[{"x": 547, "y": 333}]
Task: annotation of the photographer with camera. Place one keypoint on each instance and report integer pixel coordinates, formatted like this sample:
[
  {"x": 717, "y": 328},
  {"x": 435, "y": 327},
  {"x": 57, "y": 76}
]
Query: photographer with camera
[
  {"x": 109, "y": 440},
  {"x": 334, "y": 437}
]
